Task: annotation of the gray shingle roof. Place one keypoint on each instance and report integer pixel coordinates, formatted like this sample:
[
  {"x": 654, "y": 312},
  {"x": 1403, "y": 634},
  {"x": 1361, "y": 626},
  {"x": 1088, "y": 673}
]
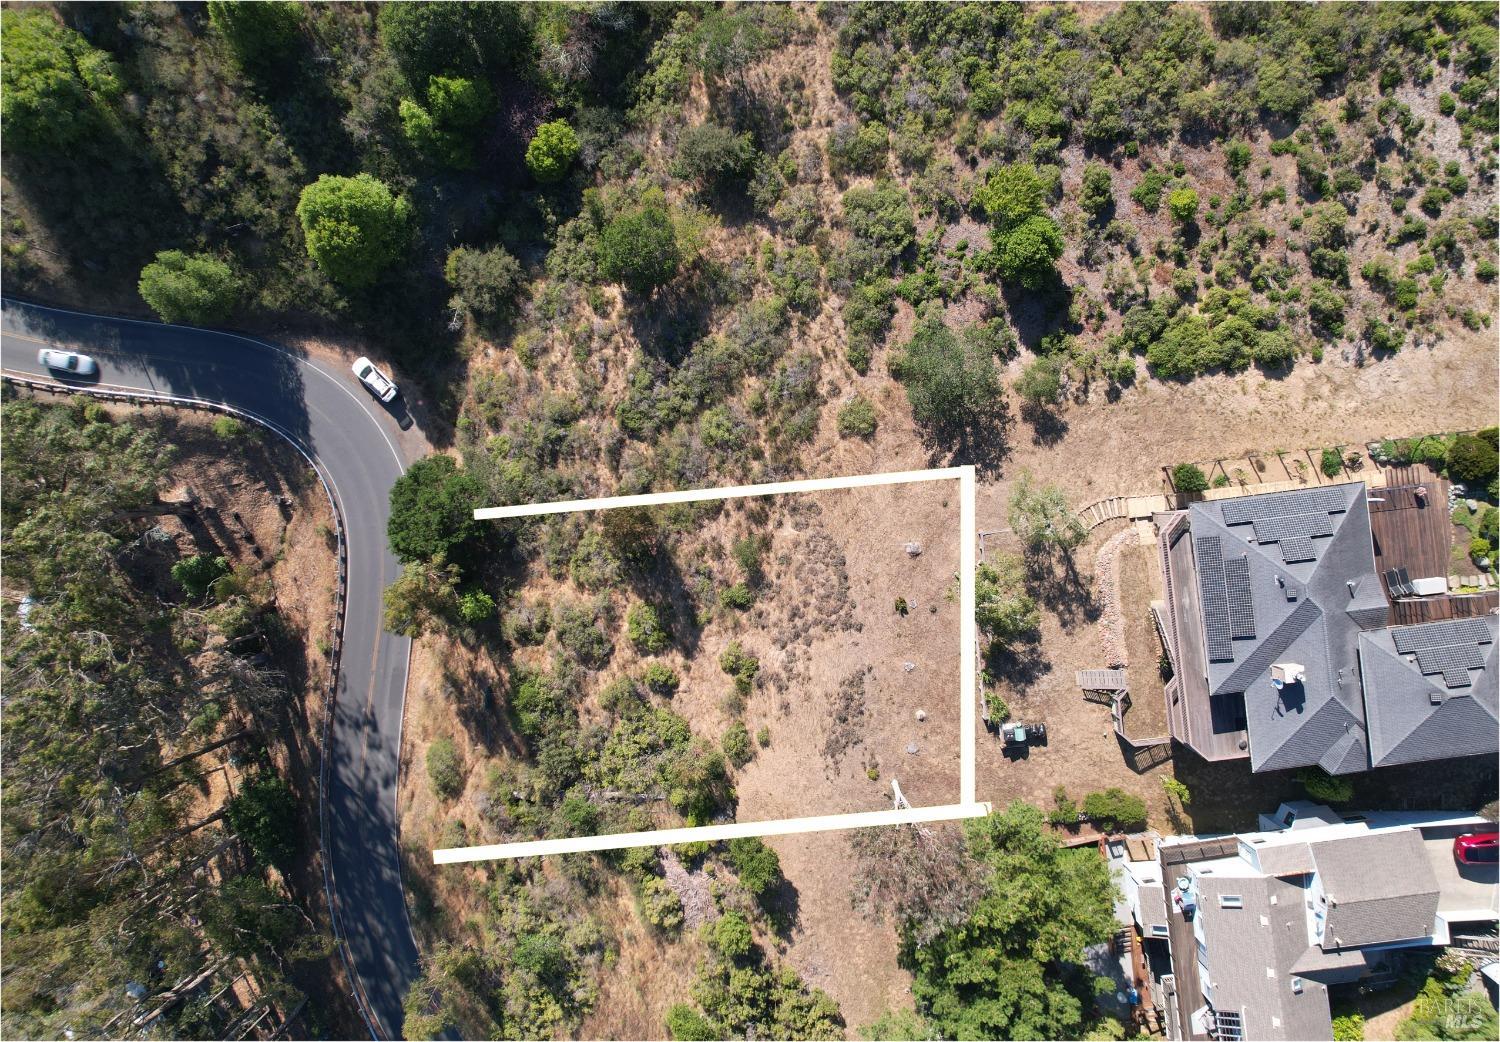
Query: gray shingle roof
[
  {"x": 1307, "y": 607},
  {"x": 1415, "y": 716},
  {"x": 1251, "y": 951},
  {"x": 1380, "y": 888}
]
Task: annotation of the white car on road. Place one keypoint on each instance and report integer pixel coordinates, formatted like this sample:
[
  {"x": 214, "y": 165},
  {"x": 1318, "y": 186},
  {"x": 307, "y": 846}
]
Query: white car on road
[
  {"x": 379, "y": 384},
  {"x": 70, "y": 362}
]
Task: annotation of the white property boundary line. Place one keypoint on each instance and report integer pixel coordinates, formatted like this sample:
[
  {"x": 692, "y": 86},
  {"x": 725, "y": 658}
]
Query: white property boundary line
[{"x": 967, "y": 807}]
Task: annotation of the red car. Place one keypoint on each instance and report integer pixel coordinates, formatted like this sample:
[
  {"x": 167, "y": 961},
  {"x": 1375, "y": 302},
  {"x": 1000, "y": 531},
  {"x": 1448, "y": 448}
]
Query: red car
[{"x": 1481, "y": 848}]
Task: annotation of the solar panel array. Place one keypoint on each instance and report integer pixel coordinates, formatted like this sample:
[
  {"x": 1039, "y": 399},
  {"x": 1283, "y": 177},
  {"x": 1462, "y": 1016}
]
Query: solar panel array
[
  {"x": 1275, "y": 529},
  {"x": 1216, "y": 632},
  {"x": 1241, "y": 608},
  {"x": 1297, "y": 548},
  {"x": 1453, "y": 661},
  {"x": 1282, "y": 504},
  {"x": 1409, "y": 639}
]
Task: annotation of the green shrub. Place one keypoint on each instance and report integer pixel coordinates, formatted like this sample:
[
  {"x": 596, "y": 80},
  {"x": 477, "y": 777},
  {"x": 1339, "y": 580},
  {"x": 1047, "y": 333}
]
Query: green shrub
[
  {"x": 1176, "y": 790},
  {"x": 858, "y": 148},
  {"x": 1147, "y": 194},
  {"x": 661, "y": 679},
  {"x": 475, "y": 607},
  {"x": 857, "y": 418},
  {"x": 227, "y": 428},
  {"x": 763, "y": 737},
  {"x": 1064, "y": 812},
  {"x": 736, "y": 745},
  {"x": 484, "y": 282},
  {"x": 756, "y": 865},
  {"x": 197, "y": 288},
  {"x": 551, "y": 151},
  {"x": 867, "y": 315},
  {"x": 594, "y": 564},
  {"x": 1003, "y": 609},
  {"x": 197, "y": 574},
  {"x": 57, "y": 90},
  {"x": 713, "y": 157},
  {"x": 1472, "y": 460},
  {"x": 444, "y": 768},
  {"x": 1013, "y": 194},
  {"x": 1182, "y": 204},
  {"x": 741, "y": 665},
  {"x": 639, "y": 249},
  {"x": 739, "y": 596},
  {"x": 1096, "y": 191},
  {"x": 660, "y": 905},
  {"x": 686, "y": 1024},
  {"x": 444, "y": 129},
  {"x": 644, "y": 627},
  {"x": 1324, "y": 787},
  {"x": 261, "y": 36},
  {"x": 1115, "y": 810},
  {"x": 730, "y": 936},
  {"x": 581, "y": 636},
  {"x": 1332, "y": 463},
  {"x": 1188, "y": 478}
]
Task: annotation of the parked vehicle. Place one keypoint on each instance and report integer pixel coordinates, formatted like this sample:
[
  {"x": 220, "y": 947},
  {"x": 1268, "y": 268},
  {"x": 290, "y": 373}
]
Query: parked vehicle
[
  {"x": 1477, "y": 848},
  {"x": 380, "y": 385},
  {"x": 1021, "y": 734},
  {"x": 70, "y": 362}
]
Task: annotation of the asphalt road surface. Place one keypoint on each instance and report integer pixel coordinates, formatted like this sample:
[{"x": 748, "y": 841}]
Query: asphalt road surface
[{"x": 353, "y": 437}]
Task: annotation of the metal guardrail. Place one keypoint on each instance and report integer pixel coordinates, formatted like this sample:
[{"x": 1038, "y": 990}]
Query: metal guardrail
[{"x": 336, "y": 642}]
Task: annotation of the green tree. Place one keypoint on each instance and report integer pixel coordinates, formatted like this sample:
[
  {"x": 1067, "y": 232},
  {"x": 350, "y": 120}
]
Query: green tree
[
  {"x": 639, "y": 249},
  {"x": 55, "y": 89},
  {"x": 1006, "y": 970},
  {"x": 857, "y": 418},
  {"x": 423, "y": 597},
  {"x": 465, "y": 37},
  {"x": 1003, "y": 609},
  {"x": 1096, "y": 192},
  {"x": 730, "y": 936},
  {"x": 1182, "y": 204},
  {"x": 1040, "y": 383},
  {"x": 485, "y": 283},
  {"x": 197, "y": 288},
  {"x": 1040, "y": 515},
  {"x": 712, "y": 157},
  {"x": 261, "y": 35},
  {"x": 432, "y": 509},
  {"x": 1027, "y": 254},
  {"x": 686, "y": 1024},
  {"x": 264, "y": 815},
  {"x": 444, "y": 129},
  {"x": 756, "y": 865},
  {"x": 552, "y": 150},
  {"x": 1013, "y": 194},
  {"x": 951, "y": 383},
  {"x": 354, "y": 227}
]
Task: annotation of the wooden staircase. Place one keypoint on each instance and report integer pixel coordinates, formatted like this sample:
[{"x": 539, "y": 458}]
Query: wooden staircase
[{"x": 1105, "y": 510}]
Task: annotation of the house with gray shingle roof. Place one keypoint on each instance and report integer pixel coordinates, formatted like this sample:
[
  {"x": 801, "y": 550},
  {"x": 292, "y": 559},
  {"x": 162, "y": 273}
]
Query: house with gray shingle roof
[
  {"x": 1276, "y": 626},
  {"x": 1263, "y": 926}
]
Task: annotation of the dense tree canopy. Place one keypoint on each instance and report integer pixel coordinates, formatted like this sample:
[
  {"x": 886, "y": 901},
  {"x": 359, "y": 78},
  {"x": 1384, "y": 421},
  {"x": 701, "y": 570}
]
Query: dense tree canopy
[
  {"x": 57, "y": 89},
  {"x": 950, "y": 381},
  {"x": 1011, "y": 970},
  {"x": 195, "y": 288},
  {"x": 263, "y": 34},
  {"x": 354, "y": 226},
  {"x": 432, "y": 509},
  {"x": 639, "y": 249}
]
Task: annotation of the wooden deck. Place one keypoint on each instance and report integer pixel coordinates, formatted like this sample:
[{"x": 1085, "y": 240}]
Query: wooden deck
[
  {"x": 1411, "y": 531},
  {"x": 1413, "y": 610}
]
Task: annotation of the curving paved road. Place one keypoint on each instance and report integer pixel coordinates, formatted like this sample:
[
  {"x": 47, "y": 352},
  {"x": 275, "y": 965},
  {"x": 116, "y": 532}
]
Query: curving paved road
[{"x": 354, "y": 440}]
